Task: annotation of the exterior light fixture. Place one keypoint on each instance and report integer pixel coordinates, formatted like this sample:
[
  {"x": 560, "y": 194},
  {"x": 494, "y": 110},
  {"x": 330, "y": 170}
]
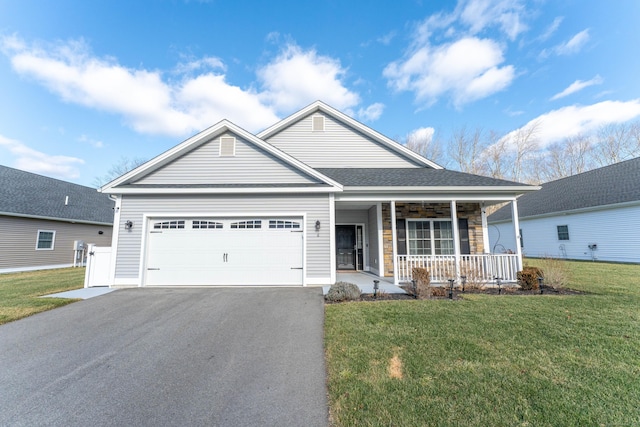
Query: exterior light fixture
[
  {"x": 414, "y": 285},
  {"x": 376, "y": 286},
  {"x": 318, "y": 225},
  {"x": 541, "y": 284},
  {"x": 128, "y": 225},
  {"x": 464, "y": 281},
  {"x": 499, "y": 283},
  {"x": 451, "y": 282}
]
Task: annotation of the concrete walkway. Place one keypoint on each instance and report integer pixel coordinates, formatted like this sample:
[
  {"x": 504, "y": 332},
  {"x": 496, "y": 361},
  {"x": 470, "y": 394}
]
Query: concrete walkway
[
  {"x": 83, "y": 293},
  {"x": 364, "y": 281}
]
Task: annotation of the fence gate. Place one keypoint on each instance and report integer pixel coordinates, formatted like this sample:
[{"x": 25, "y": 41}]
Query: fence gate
[{"x": 98, "y": 266}]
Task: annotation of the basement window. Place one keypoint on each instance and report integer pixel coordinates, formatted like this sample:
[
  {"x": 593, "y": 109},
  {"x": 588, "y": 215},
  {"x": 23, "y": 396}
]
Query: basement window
[
  {"x": 227, "y": 146},
  {"x": 317, "y": 123},
  {"x": 45, "y": 240}
]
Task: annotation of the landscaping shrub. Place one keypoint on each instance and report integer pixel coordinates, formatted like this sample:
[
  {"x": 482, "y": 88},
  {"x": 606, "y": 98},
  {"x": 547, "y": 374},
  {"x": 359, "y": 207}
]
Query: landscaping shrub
[
  {"x": 555, "y": 272},
  {"x": 343, "y": 291},
  {"x": 439, "y": 291},
  {"x": 528, "y": 278},
  {"x": 475, "y": 281},
  {"x": 423, "y": 282}
]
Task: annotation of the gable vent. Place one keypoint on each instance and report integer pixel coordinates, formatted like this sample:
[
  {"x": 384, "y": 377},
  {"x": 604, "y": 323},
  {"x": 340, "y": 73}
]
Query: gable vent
[
  {"x": 317, "y": 123},
  {"x": 227, "y": 146}
]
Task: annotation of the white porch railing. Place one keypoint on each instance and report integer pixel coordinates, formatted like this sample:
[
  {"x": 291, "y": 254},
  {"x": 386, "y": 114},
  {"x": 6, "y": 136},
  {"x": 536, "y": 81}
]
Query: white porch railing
[{"x": 479, "y": 268}]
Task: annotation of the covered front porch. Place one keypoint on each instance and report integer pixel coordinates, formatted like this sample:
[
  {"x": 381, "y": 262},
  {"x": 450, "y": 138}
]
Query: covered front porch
[{"x": 447, "y": 237}]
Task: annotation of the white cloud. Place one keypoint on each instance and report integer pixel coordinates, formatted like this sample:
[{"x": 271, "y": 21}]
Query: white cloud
[
  {"x": 387, "y": 38},
  {"x": 576, "y": 86},
  {"x": 421, "y": 134},
  {"x": 93, "y": 142},
  {"x": 468, "y": 69},
  {"x": 551, "y": 29},
  {"x": 298, "y": 77},
  {"x": 573, "y": 120},
  {"x": 31, "y": 160},
  {"x": 506, "y": 14},
  {"x": 371, "y": 113},
  {"x": 573, "y": 45},
  {"x": 199, "y": 97}
]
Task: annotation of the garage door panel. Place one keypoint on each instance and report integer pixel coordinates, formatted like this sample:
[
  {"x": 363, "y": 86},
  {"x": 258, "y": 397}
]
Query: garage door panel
[{"x": 224, "y": 256}]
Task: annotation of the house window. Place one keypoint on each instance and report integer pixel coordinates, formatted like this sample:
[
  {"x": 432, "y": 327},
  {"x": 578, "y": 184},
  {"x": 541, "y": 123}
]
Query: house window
[
  {"x": 430, "y": 237},
  {"x": 247, "y": 224},
  {"x": 317, "y": 123},
  {"x": 563, "y": 232},
  {"x": 227, "y": 146},
  {"x": 45, "y": 240}
]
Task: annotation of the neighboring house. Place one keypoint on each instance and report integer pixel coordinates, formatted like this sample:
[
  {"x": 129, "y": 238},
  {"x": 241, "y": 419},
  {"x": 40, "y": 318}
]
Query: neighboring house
[
  {"x": 41, "y": 218},
  {"x": 589, "y": 216},
  {"x": 315, "y": 193}
]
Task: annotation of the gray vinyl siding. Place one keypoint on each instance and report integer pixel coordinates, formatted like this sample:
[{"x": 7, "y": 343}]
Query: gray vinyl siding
[
  {"x": 351, "y": 216},
  {"x": 315, "y": 206},
  {"x": 204, "y": 165},
  {"x": 19, "y": 236},
  {"x": 338, "y": 146},
  {"x": 373, "y": 238}
]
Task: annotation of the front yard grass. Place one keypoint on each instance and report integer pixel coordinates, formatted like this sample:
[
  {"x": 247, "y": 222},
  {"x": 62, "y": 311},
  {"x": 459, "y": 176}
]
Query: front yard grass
[
  {"x": 491, "y": 360},
  {"x": 20, "y": 292}
]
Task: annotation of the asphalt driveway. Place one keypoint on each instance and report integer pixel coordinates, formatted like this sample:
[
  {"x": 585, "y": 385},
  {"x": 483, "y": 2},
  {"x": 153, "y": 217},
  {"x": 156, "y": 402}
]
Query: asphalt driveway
[{"x": 215, "y": 357}]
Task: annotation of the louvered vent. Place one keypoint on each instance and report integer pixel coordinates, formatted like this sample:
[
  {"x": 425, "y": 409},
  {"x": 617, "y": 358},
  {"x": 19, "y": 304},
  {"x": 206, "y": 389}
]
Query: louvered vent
[
  {"x": 227, "y": 146},
  {"x": 317, "y": 123}
]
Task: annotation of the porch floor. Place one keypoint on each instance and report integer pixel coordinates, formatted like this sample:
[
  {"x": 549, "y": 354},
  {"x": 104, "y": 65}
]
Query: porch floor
[{"x": 364, "y": 281}]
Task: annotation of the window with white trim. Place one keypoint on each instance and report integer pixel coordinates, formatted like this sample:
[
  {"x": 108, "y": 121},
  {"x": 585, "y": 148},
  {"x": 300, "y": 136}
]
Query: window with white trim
[
  {"x": 278, "y": 223},
  {"x": 430, "y": 237},
  {"x": 164, "y": 225},
  {"x": 202, "y": 224},
  {"x": 254, "y": 223},
  {"x": 45, "y": 240},
  {"x": 563, "y": 232}
]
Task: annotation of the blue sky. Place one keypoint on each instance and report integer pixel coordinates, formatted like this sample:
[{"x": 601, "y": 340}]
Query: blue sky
[{"x": 84, "y": 83}]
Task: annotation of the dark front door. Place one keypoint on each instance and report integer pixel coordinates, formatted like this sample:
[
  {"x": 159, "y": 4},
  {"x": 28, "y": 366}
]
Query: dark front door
[{"x": 346, "y": 247}]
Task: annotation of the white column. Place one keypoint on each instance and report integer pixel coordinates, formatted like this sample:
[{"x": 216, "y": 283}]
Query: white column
[
  {"x": 115, "y": 234},
  {"x": 394, "y": 236},
  {"x": 380, "y": 240},
  {"x": 516, "y": 227},
  {"x": 485, "y": 229},
  {"x": 456, "y": 236},
  {"x": 332, "y": 238}
]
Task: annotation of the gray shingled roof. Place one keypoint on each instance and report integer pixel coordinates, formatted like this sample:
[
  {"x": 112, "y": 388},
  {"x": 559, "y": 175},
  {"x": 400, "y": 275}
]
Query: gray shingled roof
[
  {"x": 410, "y": 177},
  {"x": 25, "y": 193},
  {"x": 617, "y": 183}
]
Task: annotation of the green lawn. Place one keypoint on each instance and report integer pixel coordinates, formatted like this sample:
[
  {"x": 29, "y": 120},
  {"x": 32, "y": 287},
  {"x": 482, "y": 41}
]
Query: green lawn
[
  {"x": 492, "y": 360},
  {"x": 19, "y": 292}
]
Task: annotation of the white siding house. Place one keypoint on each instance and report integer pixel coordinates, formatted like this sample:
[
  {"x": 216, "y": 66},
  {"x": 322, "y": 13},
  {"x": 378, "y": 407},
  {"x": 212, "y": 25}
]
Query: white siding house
[
  {"x": 590, "y": 216},
  {"x": 315, "y": 193}
]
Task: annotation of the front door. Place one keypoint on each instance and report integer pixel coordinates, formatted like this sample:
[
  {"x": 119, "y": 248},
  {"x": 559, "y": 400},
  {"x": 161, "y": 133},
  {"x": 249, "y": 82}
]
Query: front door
[{"x": 346, "y": 247}]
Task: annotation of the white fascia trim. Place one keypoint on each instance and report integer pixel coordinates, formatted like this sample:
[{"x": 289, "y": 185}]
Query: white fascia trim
[
  {"x": 51, "y": 218},
  {"x": 573, "y": 211},
  {"x": 373, "y": 198},
  {"x": 230, "y": 190},
  {"x": 453, "y": 189},
  {"x": 219, "y": 128},
  {"x": 321, "y": 106}
]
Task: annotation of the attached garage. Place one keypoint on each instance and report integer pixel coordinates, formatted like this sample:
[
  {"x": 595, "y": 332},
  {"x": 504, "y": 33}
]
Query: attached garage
[{"x": 208, "y": 251}]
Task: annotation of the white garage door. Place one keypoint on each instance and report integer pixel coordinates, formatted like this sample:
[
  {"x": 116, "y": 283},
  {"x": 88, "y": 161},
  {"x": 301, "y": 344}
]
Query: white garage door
[{"x": 211, "y": 251}]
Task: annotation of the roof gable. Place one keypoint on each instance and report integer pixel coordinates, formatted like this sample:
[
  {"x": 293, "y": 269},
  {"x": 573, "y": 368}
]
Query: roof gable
[
  {"x": 617, "y": 183},
  {"x": 345, "y": 140},
  {"x": 172, "y": 169},
  {"x": 30, "y": 195}
]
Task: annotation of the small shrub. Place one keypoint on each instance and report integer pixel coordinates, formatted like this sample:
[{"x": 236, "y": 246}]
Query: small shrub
[
  {"x": 528, "y": 278},
  {"x": 343, "y": 291},
  {"x": 439, "y": 291},
  {"x": 423, "y": 282},
  {"x": 555, "y": 272},
  {"x": 475, "y": 280}
]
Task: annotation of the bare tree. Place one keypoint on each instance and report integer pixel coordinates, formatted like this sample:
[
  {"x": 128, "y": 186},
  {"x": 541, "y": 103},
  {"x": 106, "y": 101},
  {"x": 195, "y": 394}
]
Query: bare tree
[
  {"x": 617, "y": 142},
  {"x": 574, "y": 155},
  {"x": 495, "y": 157},
  {"x": 523, "y": 143},
  {"x": 119, "y": 168},
  {"x": 428, "y": 146},
  {"x": 466, "y": 148}
]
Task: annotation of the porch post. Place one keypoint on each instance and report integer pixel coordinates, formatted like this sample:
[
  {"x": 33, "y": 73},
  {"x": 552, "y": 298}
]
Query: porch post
[
  {"x": 516, "y": 227},
  {"x": 456, "y": 236},
  {"x": 394, "y": 243},
  {"x": 485, "y": 229}
]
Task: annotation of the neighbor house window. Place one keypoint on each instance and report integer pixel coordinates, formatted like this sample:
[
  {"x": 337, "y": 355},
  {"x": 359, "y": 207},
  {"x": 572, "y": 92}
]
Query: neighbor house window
[
  {"x": 46, "y": 239},
  {"x": 430, "y": 237},
  {"x": 563, "y": 232},
  {"x": 521, "y": 239}
]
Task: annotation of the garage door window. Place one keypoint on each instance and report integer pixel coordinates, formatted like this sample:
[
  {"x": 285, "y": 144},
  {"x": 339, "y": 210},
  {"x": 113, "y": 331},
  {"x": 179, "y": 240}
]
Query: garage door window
[
  {"x": 168, "y": 224},
  {"x": 205, "y": 224},
  {"x": 277, "y": 223},
  {"x": 247, "y": 224}
]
